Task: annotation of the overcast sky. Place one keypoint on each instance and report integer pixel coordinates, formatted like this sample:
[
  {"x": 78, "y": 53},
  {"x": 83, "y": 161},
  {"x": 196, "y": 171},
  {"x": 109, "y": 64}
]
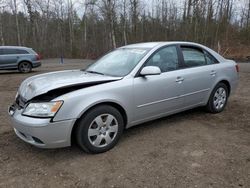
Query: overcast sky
[
  {"x": 238, "y": 4},
  {"x": 147, "y": 4}
]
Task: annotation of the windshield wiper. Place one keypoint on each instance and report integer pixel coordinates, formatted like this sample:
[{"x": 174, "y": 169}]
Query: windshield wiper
[{"x": 95, "y": 72}]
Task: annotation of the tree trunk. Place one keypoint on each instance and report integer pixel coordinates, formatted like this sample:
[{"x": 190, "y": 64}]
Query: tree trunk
[
  {"x": 17, "y": 23},
  {"x": 32, "y": 30},
  {"x": 71, "y": 29},
  {"x": 113, "y": 33},
  {"x": 1, "y": 31},
  {"x": 124, "y": 23},
  {"x": 248, "y": 15}
]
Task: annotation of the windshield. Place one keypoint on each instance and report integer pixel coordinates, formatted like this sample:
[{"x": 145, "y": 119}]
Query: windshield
[{"x": 119, "y": 62}]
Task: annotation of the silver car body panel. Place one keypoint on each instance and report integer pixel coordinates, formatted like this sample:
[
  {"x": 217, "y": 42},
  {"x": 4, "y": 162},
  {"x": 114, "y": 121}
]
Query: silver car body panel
[
  {"x": 40, "y": 84},
  {"x": 142, "y": 98},
  {"x": 53, "y": 134}
]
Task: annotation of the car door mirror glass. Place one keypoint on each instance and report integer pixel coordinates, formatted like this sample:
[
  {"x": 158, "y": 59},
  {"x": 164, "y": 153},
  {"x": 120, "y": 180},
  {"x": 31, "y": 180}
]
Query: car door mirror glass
[{"x": 150, "y": 70}]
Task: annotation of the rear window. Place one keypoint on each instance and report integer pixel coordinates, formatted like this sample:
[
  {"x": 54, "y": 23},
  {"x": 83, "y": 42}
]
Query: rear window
[
  {"x": 193, "y": 57},
  {"x": 32, "y": 51},
  {"x": 210, "y": 59}
]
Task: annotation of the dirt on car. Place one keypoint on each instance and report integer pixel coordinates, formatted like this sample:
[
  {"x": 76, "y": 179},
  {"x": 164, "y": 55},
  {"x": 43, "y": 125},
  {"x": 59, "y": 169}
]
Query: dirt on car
[{"x": 189, "y": 149}]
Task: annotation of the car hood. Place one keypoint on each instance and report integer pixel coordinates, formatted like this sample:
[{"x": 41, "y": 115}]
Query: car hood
[{"x": 43, "y": 83}]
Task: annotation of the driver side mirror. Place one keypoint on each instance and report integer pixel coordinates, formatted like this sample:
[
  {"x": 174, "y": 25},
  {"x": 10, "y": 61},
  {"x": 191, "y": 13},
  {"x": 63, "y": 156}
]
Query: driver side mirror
[{"x": 150, "y": 70}]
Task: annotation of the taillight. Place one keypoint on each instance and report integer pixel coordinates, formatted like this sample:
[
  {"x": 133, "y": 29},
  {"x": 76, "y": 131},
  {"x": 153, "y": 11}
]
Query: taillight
[
  {"x": 237, "y": 68},
  {"x": 38, "y": 57}
]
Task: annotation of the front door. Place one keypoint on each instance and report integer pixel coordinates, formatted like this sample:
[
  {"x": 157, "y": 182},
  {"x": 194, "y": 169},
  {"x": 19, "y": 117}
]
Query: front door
[
  {"x": 157, "y": 95},
  {"x": 9, "y": 58}
]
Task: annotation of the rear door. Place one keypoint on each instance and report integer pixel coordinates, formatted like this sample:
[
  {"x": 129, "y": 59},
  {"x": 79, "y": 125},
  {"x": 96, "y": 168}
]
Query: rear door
[{"x": 199, "y": 75}]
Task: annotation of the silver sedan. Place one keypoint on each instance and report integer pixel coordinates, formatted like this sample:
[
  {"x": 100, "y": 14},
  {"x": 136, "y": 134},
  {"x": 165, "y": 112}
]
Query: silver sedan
[{"x": 128, "y": 86}]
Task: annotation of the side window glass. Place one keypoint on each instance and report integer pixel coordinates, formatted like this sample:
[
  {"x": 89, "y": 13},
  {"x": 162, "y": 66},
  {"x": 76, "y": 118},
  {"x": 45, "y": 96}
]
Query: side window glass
[
  {"x": 166, "y": 59},
  {"x": 9, "y": 51},
  {"x": 1, "y": 52},
  {"x": 210, "y": 59},
  {"x": 193, "y": 57},
  {"x": 18, "y": 51}
]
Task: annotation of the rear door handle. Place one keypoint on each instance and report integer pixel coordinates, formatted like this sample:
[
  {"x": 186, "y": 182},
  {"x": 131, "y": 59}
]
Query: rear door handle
[
  {"x": 179, "y": 79},
  {"x": 213, "y": 73}
]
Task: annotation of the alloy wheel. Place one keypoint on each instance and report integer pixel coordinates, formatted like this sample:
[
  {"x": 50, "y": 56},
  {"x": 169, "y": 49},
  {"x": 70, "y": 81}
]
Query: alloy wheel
[
  {"x": 25, "y": 67},
  {"x": 103, "y": 130},
  {"x": 220, "y": 98}
]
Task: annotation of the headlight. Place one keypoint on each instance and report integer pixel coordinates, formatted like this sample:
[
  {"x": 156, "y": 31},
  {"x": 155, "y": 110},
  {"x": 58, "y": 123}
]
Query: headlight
[{"x": 43, "y": 109}]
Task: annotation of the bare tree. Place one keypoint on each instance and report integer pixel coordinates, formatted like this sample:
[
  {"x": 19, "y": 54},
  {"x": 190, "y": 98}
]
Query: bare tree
[
  {"x": 13, "y": 6},
  {"x": 124, "y": 4},
  {"x": 134, "y": 4},
  {"x": 67, "y": 28},
  {"x": 248, "y": 15},
  {"x": 108, "y": 10},
  {"x": 32, "y": 31},
  {"x": 70, "y": 22},
  {"x": 87, "y": 4},
  {"x": 2, "y": 5}
]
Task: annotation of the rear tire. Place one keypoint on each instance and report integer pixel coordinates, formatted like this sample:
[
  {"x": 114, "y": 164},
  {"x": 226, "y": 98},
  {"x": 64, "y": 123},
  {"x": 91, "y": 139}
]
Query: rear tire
[
  {"x": 99, "y": 129},
  {"x": 218, "y": 99},
  {"x": 24, "y": 67}
]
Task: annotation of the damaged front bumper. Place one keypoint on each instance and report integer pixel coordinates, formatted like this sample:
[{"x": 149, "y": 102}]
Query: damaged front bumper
[{"x": 41, "y": 132}]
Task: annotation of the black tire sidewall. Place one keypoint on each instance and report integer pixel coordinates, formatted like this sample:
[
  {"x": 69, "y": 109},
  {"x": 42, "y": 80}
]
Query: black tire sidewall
[
  {"x": 19, "y": 69},
  {"x": 85, "y": 121},
  {"x": 210, "y": 106}
]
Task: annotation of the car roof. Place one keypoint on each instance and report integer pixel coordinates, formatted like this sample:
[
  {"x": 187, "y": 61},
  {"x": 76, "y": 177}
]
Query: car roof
[
  {"x": 151, "y": 45},
  {"x": 154, "y": 44},
  {"x": 142, "y": 45},
  {"x": 14, "y": 47}
]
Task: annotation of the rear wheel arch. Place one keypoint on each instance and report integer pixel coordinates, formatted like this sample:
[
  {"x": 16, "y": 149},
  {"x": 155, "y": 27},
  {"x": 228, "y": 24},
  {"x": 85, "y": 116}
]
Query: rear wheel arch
[
  {"x": 227, "y": 84},
  {"x": 224, "y": 81},
  {"x": 25, "y": 61},
  {"x": 218, "y": 97}
]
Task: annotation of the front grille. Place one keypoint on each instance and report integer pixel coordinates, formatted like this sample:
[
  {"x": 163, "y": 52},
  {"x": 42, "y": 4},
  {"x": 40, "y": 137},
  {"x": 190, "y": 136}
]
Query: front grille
[{"x": 20, "y": 101}]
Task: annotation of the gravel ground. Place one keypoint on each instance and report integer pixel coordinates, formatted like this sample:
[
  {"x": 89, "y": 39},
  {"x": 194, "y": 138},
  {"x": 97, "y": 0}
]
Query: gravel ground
[{"x": 190, "y": 149}]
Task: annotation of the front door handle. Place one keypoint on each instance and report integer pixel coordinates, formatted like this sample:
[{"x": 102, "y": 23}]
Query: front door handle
[
  {"x": 179, "y": 79},
  {"x": 213, "y": 73}
]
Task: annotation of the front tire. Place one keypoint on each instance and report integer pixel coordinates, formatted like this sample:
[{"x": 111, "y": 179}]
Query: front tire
[
  {"x": 99, "y": 129},
  {"x": 218, "y": 98}
]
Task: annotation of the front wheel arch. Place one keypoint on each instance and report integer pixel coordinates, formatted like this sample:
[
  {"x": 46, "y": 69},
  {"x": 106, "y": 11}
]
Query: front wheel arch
[
  {"x": 95, "y": 134},
  {"x": 113, "y": 104}
]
